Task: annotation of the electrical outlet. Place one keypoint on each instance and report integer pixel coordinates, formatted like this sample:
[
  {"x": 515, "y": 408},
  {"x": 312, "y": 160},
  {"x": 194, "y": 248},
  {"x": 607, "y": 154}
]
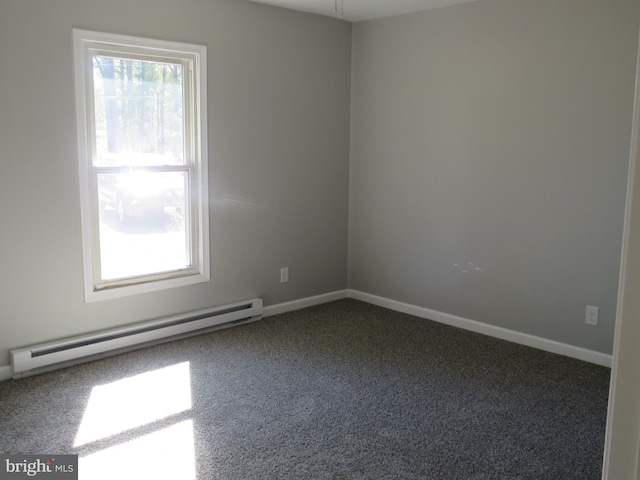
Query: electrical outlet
[
  {"x": 591, "y": 317},
  {"x": 284, "y": 274}
]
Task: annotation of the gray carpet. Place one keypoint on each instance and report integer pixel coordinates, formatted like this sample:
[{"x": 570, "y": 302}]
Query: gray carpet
[{"x": 344, "y": 390}]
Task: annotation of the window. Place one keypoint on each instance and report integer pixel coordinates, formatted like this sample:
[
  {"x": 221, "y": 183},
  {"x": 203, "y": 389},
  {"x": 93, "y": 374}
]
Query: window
[{"x": 141, "y": 110}]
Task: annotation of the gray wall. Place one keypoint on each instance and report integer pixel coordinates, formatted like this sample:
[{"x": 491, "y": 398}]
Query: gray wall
[
  {"x": 489, "y": 155},
  {"x": 489, "y": 150},
  {"x": 279, "y": 87}
]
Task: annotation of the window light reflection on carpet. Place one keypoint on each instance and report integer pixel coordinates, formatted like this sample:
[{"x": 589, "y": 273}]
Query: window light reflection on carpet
[{"x": 135, "y": 401}]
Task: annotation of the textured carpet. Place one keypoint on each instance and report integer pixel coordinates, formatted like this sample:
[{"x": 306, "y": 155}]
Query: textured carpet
[{"x": 341, "y": 390}]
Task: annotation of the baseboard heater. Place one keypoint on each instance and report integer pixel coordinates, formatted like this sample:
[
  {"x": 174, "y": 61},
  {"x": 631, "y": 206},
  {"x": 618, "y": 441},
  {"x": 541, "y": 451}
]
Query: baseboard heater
[{"x": 50, "y": 356}]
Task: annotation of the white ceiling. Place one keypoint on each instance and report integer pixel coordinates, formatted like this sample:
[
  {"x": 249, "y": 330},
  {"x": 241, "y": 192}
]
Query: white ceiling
[{"x": 357, "y": 10}]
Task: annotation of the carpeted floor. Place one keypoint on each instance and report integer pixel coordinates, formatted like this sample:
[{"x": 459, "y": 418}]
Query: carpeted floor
[{"x": 344, "y": 390}]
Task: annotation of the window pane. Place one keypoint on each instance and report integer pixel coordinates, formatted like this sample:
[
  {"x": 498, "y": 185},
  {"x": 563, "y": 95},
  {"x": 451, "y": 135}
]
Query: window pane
[
  {"x": 142, "y": 223},
  {"x": 138, "y": 111}
]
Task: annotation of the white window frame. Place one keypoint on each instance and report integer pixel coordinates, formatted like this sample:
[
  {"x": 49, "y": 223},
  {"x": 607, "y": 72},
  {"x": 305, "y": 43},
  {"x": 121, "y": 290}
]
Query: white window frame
[{"x": 193, "y": 57}]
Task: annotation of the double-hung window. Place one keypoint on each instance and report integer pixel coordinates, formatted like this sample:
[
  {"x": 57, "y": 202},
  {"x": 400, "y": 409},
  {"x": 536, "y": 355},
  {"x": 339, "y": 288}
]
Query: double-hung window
[{"x": 141, "y": 113}]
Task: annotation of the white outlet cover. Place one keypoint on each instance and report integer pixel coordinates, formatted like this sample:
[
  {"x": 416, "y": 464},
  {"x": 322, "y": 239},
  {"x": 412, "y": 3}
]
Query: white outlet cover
[
  {"x": 591, "y": 316},
  {"x": 284, "y": 274}
]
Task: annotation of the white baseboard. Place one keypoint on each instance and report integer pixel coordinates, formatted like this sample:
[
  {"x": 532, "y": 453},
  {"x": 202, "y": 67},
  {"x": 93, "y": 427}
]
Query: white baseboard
[
  {"x": 448, "y": 319},
  {"x": 303, "y": 303},
  {"x": 5, "y": 372},
  {"x": 486, "y": 329}
]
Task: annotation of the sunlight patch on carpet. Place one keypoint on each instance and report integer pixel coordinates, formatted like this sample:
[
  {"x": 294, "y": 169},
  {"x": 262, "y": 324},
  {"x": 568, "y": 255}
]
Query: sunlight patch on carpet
[
  {"x": 134, "y": 402},
  {"x": 167, "y": 454}
]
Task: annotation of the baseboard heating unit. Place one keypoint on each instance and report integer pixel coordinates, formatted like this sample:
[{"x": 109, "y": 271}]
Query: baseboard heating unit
[{"x": 50, "y": 356}]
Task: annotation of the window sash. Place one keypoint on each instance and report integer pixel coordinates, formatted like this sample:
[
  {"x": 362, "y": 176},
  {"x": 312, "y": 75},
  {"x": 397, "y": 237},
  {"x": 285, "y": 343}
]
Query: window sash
[
  {"x": 191, "y": 229},
  {"x": 189, "y": 100}
]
